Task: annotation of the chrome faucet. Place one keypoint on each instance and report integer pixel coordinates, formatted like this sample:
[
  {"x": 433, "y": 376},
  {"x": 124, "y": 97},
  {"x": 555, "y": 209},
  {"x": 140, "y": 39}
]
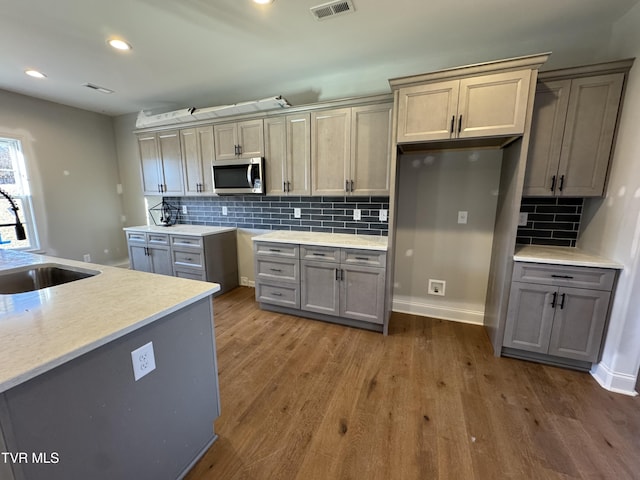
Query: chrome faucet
[{"x": 20, "y": 233}]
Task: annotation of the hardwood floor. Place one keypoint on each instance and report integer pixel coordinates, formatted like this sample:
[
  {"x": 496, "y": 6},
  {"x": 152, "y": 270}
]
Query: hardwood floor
[{"x": 303, "y": 399}]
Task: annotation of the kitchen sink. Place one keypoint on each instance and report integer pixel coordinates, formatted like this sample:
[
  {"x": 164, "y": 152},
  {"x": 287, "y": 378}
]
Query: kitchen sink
[{"x": 37, "y": 277}]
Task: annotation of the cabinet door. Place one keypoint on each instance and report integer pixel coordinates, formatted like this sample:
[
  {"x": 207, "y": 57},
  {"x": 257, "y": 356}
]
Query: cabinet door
[
  {"x": 251, "y": 138},
  {"x": 493, "y": 105},
  {"x": 275, "y": 148},
  {"x": 427, "y": 112},
  {"x": 171, "y": 161},
  {"x": 579, "y": 323},
  {"x": 225, "y": 140},
  {"x": 197, "y": 154},
  {"x": 588, "y": 134},
  {"x": 362, "y": 293},
  {"x": 150, "y": 164},
  {"x": 547, "y": 129},
  {"x": 371, "y": 149},
  {"x": 529, "y": 317},
  {"x": 320, "y": 287},
  {"x": 206, "y": 149},
  {"x": 160, "y": 260},
  {"x": 138, "y": 258},
  {"x": 330, "y": 151},
  {"x": 298, "y": 158}
]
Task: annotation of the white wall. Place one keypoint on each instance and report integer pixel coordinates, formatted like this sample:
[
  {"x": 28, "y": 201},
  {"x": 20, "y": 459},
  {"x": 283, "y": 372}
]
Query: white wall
[
  {"x": 430, "y": 244},
  {"x": 72, "y": 163},
  {"x": 612, "y": 227}
]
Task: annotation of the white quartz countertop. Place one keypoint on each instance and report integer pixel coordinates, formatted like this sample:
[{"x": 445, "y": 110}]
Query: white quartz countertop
[
  {"x": 365, "y": 242},
  {"x": 195, "y": 230},
  {"x": 43, "y": 329},
  {"x": 562, "y": 256}
]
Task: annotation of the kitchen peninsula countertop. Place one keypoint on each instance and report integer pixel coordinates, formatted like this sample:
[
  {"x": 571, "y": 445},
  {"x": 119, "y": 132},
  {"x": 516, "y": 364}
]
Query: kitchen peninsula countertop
[
  {"x": 345, "y": 240},
  {"x": 46, "y": 328},
  {"x": 562, "y": 256},
  {"x": 178, "y": 229}
]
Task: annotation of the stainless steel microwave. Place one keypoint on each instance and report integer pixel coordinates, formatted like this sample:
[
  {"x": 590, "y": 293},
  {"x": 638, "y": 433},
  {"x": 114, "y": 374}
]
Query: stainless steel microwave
[{"x": 238, "y": 176}]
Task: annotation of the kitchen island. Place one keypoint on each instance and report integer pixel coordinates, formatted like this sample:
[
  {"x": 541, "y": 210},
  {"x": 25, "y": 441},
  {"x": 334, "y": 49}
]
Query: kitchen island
[{"x": 69, "y": 404}]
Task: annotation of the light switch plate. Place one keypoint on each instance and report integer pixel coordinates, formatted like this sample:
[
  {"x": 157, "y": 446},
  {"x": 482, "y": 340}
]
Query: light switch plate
[
  {"x": 462, "y": 217},
  {"x": 357, "y": 214}
]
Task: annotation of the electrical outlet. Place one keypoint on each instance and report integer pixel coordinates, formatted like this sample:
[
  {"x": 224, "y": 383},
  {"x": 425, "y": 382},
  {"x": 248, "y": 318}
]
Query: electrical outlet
[
  {"x": 462, "y": 217},
  {"x": 357, "y": 214},
  {"x": 143, "y": 360},
  {"x": 119, "y": 188},
  {"x": 436, "y": 287},
  {"x": 225, "y": 211},
  {"x": 86, "y": 257},
  {"x": 383, "y": 215},
  {"x": 297, "y": 212},
  {"x": 244, "y": 281},
  {"x": 184, "y": 209},
  {"x": 524, "y": 218}
]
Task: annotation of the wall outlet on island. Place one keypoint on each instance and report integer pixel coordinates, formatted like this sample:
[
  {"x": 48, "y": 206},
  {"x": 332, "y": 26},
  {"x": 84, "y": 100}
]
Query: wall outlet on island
[
  {"x": 144, "y": 361},
  {"x": 86, "y": 257}
]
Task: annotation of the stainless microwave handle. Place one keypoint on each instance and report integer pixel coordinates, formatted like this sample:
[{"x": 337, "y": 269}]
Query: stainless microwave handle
[{"x": 249, "y": 178}]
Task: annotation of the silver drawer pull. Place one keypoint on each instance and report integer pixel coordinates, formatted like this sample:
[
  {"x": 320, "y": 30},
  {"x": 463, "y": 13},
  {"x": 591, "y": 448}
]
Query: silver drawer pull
[
  {"x": 562, "y": 276},
  {"x": 363, "y": 258},
  {"x": 275, "y": 269},
  {"x": 276, "y": 294}
]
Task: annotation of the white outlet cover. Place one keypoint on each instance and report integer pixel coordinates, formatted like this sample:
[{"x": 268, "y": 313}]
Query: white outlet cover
[
  {"x": 143, "y": 360},
  {"x": 184, "y": 209},
  {"x": 524, "y": 218},
  {"x": 225, "y": 211},
  {"x": 436, "y": 287},
  {"x": 297, "y": 212},
  {"x": 357, "y": 214},
  {"x": 383, "y": 215},
  {"x": 462, "y": 217}
]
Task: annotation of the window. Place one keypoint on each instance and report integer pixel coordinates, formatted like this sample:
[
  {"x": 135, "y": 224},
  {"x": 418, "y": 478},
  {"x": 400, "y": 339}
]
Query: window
[{"x": 14, "y": 181}]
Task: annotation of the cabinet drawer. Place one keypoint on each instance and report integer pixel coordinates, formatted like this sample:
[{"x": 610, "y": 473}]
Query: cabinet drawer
[
  {"x": 287, "y": 295},
  {"x": 158, "y": 239},
  {"x": 370, "y": 258},
  {"x": 320, "y": 254},
  {"x": 136, "y": 237},
  {"x": 282, "y": 269},
  {"x": 289, "y": 250},
  {"x": 564, "y": 276},
  {"x": 186, "y": 241},
  {"x": 190, "y": 273},
  {"x": 189, "y": 259}
]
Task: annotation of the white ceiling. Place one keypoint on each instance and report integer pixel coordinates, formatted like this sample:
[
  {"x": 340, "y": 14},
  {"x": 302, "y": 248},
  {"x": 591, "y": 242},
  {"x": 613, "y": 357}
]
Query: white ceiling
[{"x": 202, "y": 53}]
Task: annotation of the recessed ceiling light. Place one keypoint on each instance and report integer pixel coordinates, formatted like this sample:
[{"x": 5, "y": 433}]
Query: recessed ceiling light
[
  {"x": 263, "y": 2},
  {"x": 119, "y": 44},
  {"x": 35, "y": 73}
]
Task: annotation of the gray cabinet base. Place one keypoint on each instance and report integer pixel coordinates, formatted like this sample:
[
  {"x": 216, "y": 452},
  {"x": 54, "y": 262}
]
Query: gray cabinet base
[
  {"x": 374, "y": 327},
  {"x": 547, "y": 359}
]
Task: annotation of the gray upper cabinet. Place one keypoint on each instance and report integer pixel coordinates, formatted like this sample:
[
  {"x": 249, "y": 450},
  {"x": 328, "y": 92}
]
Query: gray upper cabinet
[
  {"x": 287, "y": 146},
  {"x": 351, "y": 150},
  {"x": 573, "y": 129},
  {"x": 480, "y": 106},
  {"x": 197, "y": 155},
  {"x": 161, "y": 163},
  {"x": 239, "y": 140}
]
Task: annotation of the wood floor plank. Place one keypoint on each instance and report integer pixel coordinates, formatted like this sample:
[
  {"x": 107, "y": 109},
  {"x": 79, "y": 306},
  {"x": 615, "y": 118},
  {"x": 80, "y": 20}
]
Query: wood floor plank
[{"x": 308, "y": 400}]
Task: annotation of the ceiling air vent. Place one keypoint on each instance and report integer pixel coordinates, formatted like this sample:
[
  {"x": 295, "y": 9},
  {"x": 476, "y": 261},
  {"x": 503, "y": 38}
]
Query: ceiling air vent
[
  {"x": 332, "y": 9},
  {"x": 97, "y": 87}
]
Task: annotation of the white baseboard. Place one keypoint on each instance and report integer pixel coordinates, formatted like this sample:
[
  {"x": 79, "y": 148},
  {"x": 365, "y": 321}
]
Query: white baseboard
[
  {"x": 614, "y": 381},
  {"x": 474, "y": 317}
]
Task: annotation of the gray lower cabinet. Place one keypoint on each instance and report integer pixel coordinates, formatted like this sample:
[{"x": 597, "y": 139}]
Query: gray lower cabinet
[
  {"x": 345, "y": 285},
  {"x": 558, "y": 312},
  {"x": 210, "y": 258},
  {"x": 150, "y": 252}
]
